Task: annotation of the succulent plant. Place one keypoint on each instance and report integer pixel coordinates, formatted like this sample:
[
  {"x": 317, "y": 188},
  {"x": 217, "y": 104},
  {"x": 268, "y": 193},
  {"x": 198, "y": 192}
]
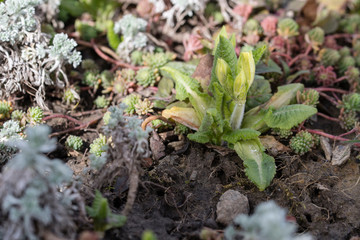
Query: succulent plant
[
  {"x": 268, "y": 222},
  {"x": 287, "y": 28},
  {"x": 18, "y": 115},
  {"x": 157, "y": 60},
  {"x": 11, "y": 131},
  {"x": 146, "y": 77},
  {"x": 130, "y": 101},
  {"x": 99, "y": 146},
  {"x": 181, "y": 129},
  {"x": 251, "y": 26},
  {"x": 34, "y": 115},
  {"x": 144, "y": 107},
  {"x": 329, "y": 57},
  {"x": 302, "y": 142},
  {"x": 74, "y": 142},
  {"x": 345, "y": 51},
  {"x": 325, "y": 76},
  {"x": 5, "y": 109},
  {"x": 137, "y": 57},
  {"x": 350, "y": 24},
  {"x": 315, "y": 37},
  {"x": 71, "y": 96},
  {"x": 91, "y": 78},
  {"x": 348, "y": 120},
  {"x": 106, "y": 118},
  {"x": 269, "y": 25},
  {"x": 351, "y": 102},
  {"x": 308, "y": 97},
  {"x": 101, "y": 102},
  {"x": 353, "y": 75},
  {"x": 89, "y": 65},
  {"x": 345, "y": 63},
  {"x": 282, "y": 133}
]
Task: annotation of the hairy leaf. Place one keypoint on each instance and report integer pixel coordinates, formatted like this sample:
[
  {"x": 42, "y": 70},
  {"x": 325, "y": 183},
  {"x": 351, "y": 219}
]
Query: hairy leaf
[
  {"x": 289, "y": 116},
  {"x": 224, "y": 50},
  {"x": 184, "y": 115},
  {"x": 241, "y": 134},
  {"x": 259, "y": 93},
  {"x": 187, "y": 87},
  {"x": 259, "y": 167},
  {"x": 258, "y": 53}
]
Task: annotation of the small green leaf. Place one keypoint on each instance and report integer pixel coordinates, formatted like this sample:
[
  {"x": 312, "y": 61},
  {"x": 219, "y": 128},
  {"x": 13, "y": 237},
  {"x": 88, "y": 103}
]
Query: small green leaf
[
  {"x": 113, "y": 39},
  {"x": 258, "y": 53},
  {"x": 200, "y": 137},
  {"x": 259, "y": 167},
  {"x": 241, "y": 134},
  {"x": 289, "y": 116},
  {"x": 226, "y": 51},
  {"x": 271, "y": 67}
]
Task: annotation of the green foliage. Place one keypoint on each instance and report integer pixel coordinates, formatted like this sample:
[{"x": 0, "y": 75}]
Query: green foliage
[
  {"x": 148, "y": 235},
  {"x": 113, "y": 39},
  {"x": 349, "y": 120},
  {"x": 74, "y": 142},
  {"x": 99, "y": 145},
  {"x": 345, "y": 51},
  {"x": 18, "y": 115},
  {"x": 259, "y": 93},
  {"x": 157, "y": 60},
  {"x": 282, "y": 133},
  {"x": 101, "y": 11},
  {"x": 345, "y": 63},
  {"x": 259, "y": 167},
  {"x": 350, "y": 24},
  {"x": 315, "y": 37},
  {"x": 137, "y": 57},
  {"x": 87, "y": 32},
  {"x": 146, "y": 77},
  {"x": 144, "y": 107},
  {"x": 289, "y": 116},
  {"x": 302, "y": 142},
  {"x": 69, "y": 8},
  {"x": 329, "y": 57},
  {"x": 71, "y": 96},
  {"x": 287, "y": 28},
  {"x": 101, "y": 102},
  {"x": 351, "y": 102},
  {"x": 181, "y": 129},
  {"x": 34, "y": 115},
  {"x": 102, "y": 216},
  {"x": 5, "y": 109},
  {"x": 130, "y": 101},
  {"x": 308, "y": 97}
]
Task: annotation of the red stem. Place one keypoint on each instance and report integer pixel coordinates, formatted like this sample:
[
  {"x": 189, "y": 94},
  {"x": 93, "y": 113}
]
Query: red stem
[
  {"x": 63, "y": 116},
  {"x": 111, "y": 60},
  {"x": 327, "y": 89},
  {"x": 307, "y": 51},
  {"x": 335, "y": 138},
  {"x": 340, "y": 79},
  {"x": 330, "y": 99},
  {"x": 328, "y": 117}
]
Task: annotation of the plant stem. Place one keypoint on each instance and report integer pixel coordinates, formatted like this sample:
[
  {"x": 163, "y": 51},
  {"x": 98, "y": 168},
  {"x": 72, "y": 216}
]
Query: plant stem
[{"x": 237, "y": 115}]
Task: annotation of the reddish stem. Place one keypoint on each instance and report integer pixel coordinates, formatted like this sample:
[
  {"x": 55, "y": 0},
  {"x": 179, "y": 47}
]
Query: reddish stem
[
  {"x": 340, "y": 79},
  {"x": 63, "y": 116},
  {"x": 307, "y": 51},
  {"x": 82, "y": 126},
  {"x": 349, "y": 132},
  {"x": 281, "y": 54},
  {"x": 327, "y": 89},
  {"x": 330, "y": 99},
  {"x": 335, "y": 138},
  {"x": 111, "y": 60},
  {"x": 328, "y": 117}
]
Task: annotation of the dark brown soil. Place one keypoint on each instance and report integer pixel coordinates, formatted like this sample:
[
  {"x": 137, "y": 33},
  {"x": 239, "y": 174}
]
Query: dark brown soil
[{"x": 179, "y": 193}]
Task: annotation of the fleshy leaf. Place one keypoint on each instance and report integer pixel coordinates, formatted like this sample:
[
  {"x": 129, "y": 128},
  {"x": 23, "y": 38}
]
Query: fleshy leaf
[
  {"x": 259, "y": 167},
  {"x": 183, "y": 115},
  {"x": 241, "y": 134},
  {"x": 289, "y": 116},
  {"x": 113, "y": 38}
]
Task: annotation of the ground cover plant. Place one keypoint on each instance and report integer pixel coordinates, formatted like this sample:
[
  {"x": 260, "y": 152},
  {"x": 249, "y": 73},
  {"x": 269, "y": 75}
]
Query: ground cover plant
[{"x": 192, "y": 119}]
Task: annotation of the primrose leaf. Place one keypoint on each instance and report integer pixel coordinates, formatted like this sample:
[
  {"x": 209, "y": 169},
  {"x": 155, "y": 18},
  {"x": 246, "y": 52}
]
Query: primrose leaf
[
  {"x": 259, "y": 93},
  {"x": 258, "y": 53},
  {"x": 289, "y": 116},
  {"x": 226, "y": 51},
  {"x": 187, "y": 87},
  {"x": 259, "y": 167},
  {"x": 184, "y": 115},
  {"x": 113, "y": 38},
  {"x": 271, "y": 67},
  {"x": 241, "y": 134},
  {"x": 200, "y": 137},
  {"x": 222, "y": 33}
]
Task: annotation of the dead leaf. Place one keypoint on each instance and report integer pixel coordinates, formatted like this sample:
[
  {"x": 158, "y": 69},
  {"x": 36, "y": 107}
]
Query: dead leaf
[
  {"x": 203, "y": 71},
  {"x": 341, "y": 154},
  {"x": 272, "y": 145},
  {"x": 325, "y": 145}
]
